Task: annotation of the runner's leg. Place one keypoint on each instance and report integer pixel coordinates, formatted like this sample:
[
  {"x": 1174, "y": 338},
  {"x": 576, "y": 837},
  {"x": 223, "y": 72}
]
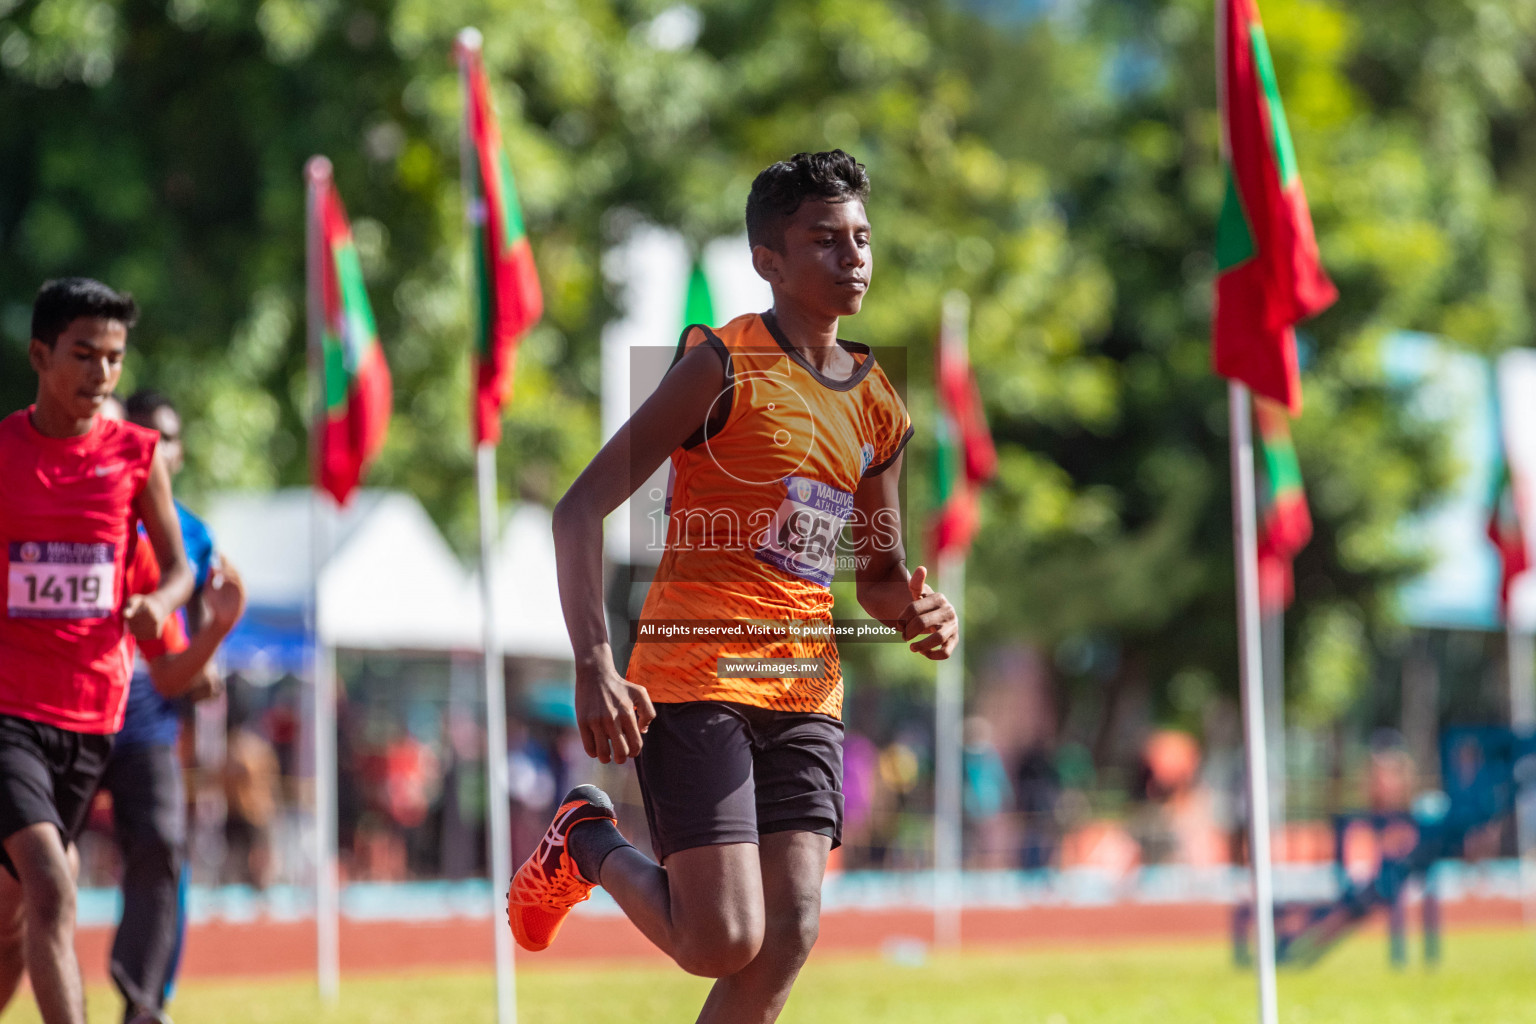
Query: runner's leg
[
  {"x": 48, "y": 893},
  {"x": 12, "y": 938},
  {"x": 149, "y": 815},
  {"x": 793, "y": 864},
  {"x": 704, "y": 908}
]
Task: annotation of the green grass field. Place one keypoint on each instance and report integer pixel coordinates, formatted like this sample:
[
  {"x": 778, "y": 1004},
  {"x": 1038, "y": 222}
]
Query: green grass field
[{"x": 1485, "y": 978}]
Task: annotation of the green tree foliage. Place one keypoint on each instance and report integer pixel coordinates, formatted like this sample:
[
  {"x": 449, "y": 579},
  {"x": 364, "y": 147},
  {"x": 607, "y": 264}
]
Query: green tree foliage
[
  {"x": 1060, "y": 168},
  {"x": 1400, "y": 158}
]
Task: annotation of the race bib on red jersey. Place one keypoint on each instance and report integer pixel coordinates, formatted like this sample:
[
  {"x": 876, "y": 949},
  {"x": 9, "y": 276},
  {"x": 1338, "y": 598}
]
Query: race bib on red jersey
[
  {"x": 61, "y": 580},
  {"x": 802, "y": 539}
]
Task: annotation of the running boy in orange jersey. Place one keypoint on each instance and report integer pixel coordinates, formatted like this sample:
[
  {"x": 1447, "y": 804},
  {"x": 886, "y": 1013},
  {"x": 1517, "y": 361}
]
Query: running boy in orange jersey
[
  {"x": 779, "y": 435},
  {"x": 72, "y": 484}
]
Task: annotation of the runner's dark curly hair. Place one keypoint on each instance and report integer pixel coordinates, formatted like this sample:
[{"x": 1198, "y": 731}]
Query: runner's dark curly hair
[
  {"x": 778, "y": 191},
  {"x": 62, "y": 301}
]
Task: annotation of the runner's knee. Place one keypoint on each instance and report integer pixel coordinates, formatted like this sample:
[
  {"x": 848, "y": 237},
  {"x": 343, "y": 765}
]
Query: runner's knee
[
  {"x": 47, "y": 881},
  {"x": 50, "y": 897},
  {"x": 720, "y": 948},
  {"x": 792, "y": 930}
]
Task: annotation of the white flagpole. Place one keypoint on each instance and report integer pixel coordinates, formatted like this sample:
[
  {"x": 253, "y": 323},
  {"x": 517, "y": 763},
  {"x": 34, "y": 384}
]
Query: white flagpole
[
  {"x": 498, "y": 818},
  {"x": 1522, "y": 717},
  {"x": 1249, "y": 633},
  {"x": 948, "y": 713},
  {"x": 1251, "y": 659},
  {"x": 1516, "y": 429},
  {"x": 948, "y": 704},
  {"x": 496, "y": 742},
  {"x": 327, "y": 882}
]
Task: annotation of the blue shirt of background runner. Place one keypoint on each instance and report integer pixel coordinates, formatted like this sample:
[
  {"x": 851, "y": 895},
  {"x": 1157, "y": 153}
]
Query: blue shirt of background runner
[{"x": 150, "y": 718}]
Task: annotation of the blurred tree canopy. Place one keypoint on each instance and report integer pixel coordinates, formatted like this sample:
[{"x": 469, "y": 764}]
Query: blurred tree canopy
[{"x": 1057, "y": 161}]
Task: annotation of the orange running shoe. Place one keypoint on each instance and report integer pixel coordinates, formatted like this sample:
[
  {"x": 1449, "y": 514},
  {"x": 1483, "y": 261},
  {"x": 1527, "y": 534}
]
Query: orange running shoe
[{"x": 548, "y": 884}]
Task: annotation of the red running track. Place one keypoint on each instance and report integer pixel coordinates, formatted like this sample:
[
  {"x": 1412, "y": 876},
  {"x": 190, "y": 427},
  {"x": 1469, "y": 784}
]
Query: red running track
[{"x": 218, "y": 950}]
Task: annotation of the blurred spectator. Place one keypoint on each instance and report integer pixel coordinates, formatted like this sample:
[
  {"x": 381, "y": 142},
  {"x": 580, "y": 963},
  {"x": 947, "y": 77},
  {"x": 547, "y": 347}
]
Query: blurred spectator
[
  {"x": 1038, "y": 795},
  {"x": 281, "y": 725},
  {"x": 462, "y": 809},
  {"x": 1175, "y": 822},
  {"x": 250, "y": 796},
  {"x": 986, "y": 795},
  {"x": 860, "y": 785},
  {"x": 900, "y": 840},
  {"x": 411, "y": 783},
  {"x": 531, "y": 785},
  {"x": 378, "y": 845},
  {"x": 1390, "y": 775}
]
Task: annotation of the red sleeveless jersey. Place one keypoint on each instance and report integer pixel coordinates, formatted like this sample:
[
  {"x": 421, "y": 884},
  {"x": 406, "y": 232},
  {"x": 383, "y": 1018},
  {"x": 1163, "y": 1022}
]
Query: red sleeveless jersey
[{"x": 66, "y": 519}]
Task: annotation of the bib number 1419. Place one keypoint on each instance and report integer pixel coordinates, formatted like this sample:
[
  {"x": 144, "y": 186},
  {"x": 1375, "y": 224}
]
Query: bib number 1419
[{"x": 60, "y": 580}]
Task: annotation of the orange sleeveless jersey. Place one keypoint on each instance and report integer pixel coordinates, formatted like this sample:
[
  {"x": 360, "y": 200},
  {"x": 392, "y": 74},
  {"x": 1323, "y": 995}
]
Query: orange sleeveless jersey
[{"x": 759, "y": 498}]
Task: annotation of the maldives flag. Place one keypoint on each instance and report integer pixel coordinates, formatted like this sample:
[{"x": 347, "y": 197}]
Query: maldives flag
[
  {"x": 1285, "y": 521},
  {"x": 965, "y": 459},
  {"x": 1268, "y": 273},
  {"x": 355, "y": 376},
  {"x": 506, "y": 281},
  {"x": 1506, "y": 530}
]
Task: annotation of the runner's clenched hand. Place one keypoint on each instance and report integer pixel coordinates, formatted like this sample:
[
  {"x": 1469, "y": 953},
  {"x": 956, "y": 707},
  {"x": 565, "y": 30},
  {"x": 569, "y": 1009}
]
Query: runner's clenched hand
[{"x": 612, "y": 713}]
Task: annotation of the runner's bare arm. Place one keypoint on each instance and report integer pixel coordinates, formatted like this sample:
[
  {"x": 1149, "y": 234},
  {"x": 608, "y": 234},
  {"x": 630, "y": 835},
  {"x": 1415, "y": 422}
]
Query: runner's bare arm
[
  {"x": 611, "y": 712},
  {"x": 178, "y": 674},
  {"x": 145, "y": 614},
  {"x": 886, "y": 590}
]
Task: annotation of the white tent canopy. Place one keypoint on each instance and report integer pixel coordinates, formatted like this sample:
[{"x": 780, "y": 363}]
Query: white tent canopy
[
  {"x": 527, "y": 594},
  {"x": 390, "y": 581}
]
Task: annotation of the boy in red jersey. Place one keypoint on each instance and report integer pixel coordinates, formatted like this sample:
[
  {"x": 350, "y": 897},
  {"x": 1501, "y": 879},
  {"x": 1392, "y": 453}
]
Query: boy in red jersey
[
  {"x": 74, "y": 484},
  {"x": 779, "y": 435}
]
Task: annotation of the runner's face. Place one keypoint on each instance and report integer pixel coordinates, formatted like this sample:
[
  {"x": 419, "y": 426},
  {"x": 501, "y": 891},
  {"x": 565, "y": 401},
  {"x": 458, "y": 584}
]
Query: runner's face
[
  {"x": 78, "y": 373},
  {"x": 827, "y": 259}
]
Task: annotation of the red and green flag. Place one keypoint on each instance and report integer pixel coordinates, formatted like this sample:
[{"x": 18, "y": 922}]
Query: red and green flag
[
  {"x": 509, "y": 300},
  {"x": 1269, "y": 275},
  {"x": 1285, "y": 523},
  {"x": 1506, "y": 528},
  {"x": 965, "y": 459},
  {"x": 355, "y": 377}
]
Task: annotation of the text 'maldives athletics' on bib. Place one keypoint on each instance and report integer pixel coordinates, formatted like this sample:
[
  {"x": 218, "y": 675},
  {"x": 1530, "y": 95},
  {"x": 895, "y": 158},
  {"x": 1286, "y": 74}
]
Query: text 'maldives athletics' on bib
[
  {"x": 759, "y": 498},
  {"x": 802, "y": 539}
]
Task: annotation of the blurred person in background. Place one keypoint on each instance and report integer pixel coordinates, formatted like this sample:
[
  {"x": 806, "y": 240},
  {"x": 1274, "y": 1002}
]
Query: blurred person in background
[
  {"x": 250, "y": 796},
  {"x": 412, "y": 781},
  {"x": 144, "y": 772},
  {"x": 1037, "y": 795},
  {"x": 378, "y": 847},
  {"x": 462, "y": 809},
  {"x": 1390, "y": 776},
  {"x": 860, "y": 782},
  {"x": 899, "y": 770},
  {"x": 1177, "y": 822},
  {"x": 986, "y": 796},
  {"x": 531, "y": 784}
]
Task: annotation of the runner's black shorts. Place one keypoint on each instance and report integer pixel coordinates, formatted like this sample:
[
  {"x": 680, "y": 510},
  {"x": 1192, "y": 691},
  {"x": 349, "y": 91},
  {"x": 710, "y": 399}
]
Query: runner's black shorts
[
  {"x": 717, "y": 772},
  {"x": 47, "y": 774}
]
